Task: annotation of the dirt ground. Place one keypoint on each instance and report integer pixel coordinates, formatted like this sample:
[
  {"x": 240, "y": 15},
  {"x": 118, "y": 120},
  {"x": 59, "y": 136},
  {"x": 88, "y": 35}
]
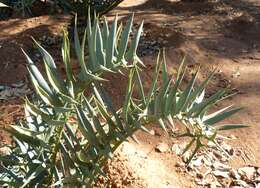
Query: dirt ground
[{"x": 216, "y": 33}]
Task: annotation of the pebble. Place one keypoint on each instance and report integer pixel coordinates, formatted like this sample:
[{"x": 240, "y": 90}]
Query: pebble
[
  {"x": 247, "y": 172},
  {"x": 234, "y": 174},
  {"x": 179, "y": 164},
  {"x": 220, "y": 166},
  {"x": 152, "y": 132},
  {"x": 241, "y": 183},
  {"x": 176, "y": 149},
  {"x": 258, "y": 171},
  {"x": 215, "y": 184},
  {"x": 235, "y": 75},
  {"x": 221, "y": 174},
  {"x": 162, "y": 147},
  {"x": 197, "y": 162},
  {"x": 186, "y": 156}
]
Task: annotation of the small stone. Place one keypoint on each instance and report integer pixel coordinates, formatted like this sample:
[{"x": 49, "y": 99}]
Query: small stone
[
  {"x": 247, "y": 172},
  {"x": 234, "y": 174},
  {"x": 241, "y": 183},
  {"x": 221, "y": 166},
  {"x": 152, "y": 132},
  {"x": 221, "y": 174},
  {"x": 236, "y": 74},
  {"x": 186, "y": 156},
  {"x": 217, "y": 155},
  {"x": 258, "y": 171},
  {"x": 207, "y": 162},
  {"x": 228, "y": 149},
  {"x": 179, "y": 164},
  {"x": 215, "y": 184},
  {"x": 197, "y": 162},
  {"x": 176, "y": 149},
  {"x": 162, "y": 147}
]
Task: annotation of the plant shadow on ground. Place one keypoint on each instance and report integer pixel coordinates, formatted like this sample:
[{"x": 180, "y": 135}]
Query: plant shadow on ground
[
  {"x": 237, "y": 27},
  {"x": 13, "y": 38}
]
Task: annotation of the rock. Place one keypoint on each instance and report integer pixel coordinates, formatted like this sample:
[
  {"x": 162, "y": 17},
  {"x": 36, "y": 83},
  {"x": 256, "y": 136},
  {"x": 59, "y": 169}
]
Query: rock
[
  {"x": 152, "y": 132},
  {"x": 176, "y": 149},
  {"x": 215, "y": 184},
  {"x": 162, "y": 147},
  {"x": 207, "y": 162},
  {"x": 234, "y": 174},
  {"x": 258, "y": 171},
  {"x": 186, "y": 156},
  {"x": 228, "y": 149},
  {"x": 179, "y": 164},
  {"x": 241, "y": 183},
  {"x": 221, "y": 174},
  {"x": 236, "y": 74},
  {"x": 217, "y": 155},
  {"x": 197, "y": 162},
  {"x": 257, "y": 179},
  {"x": 220, "y": 166},
  {"x": 247, "y": 172}
]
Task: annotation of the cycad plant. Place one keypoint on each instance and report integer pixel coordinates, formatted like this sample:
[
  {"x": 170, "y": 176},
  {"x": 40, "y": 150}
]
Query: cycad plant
[{"x": 72, "y": 127}]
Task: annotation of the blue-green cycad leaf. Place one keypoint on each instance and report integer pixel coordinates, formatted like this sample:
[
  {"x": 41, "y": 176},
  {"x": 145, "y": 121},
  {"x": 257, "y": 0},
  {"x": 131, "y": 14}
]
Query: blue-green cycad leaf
[
  {"x": 196, "y": 110},
  {"x": 185, "y": 95},
  {"x": 231, "y": 126},
  {"x": 34, "y": 71},
  {"x": 132, "y": 52},
  {"x": 26, "y": 135},
  {"x": 110, "y": 106},
  {"x": 124, "y": 39},
  {"x": 79, "y": 49},
  {"x": 154, "y": 80},
  {"x": 100, "y": 48},
  {"x": 66, "y": 56},
  {"x": 86, "y": 127},
  {"x": 92, "y": 44},
  {"x": 41, "y": 92},
  {"x": 171, "y": 103},
  {"x": 110, "y": 48},
  {"x": 105, "y": 31},
  {"x": 221, "y": 116},
  {"x": 34, "y": 110}
]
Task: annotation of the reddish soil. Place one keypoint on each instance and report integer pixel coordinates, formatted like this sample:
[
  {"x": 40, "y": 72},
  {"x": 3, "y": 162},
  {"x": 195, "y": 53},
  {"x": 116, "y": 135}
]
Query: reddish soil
[{"x": 216, "y": 33}]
